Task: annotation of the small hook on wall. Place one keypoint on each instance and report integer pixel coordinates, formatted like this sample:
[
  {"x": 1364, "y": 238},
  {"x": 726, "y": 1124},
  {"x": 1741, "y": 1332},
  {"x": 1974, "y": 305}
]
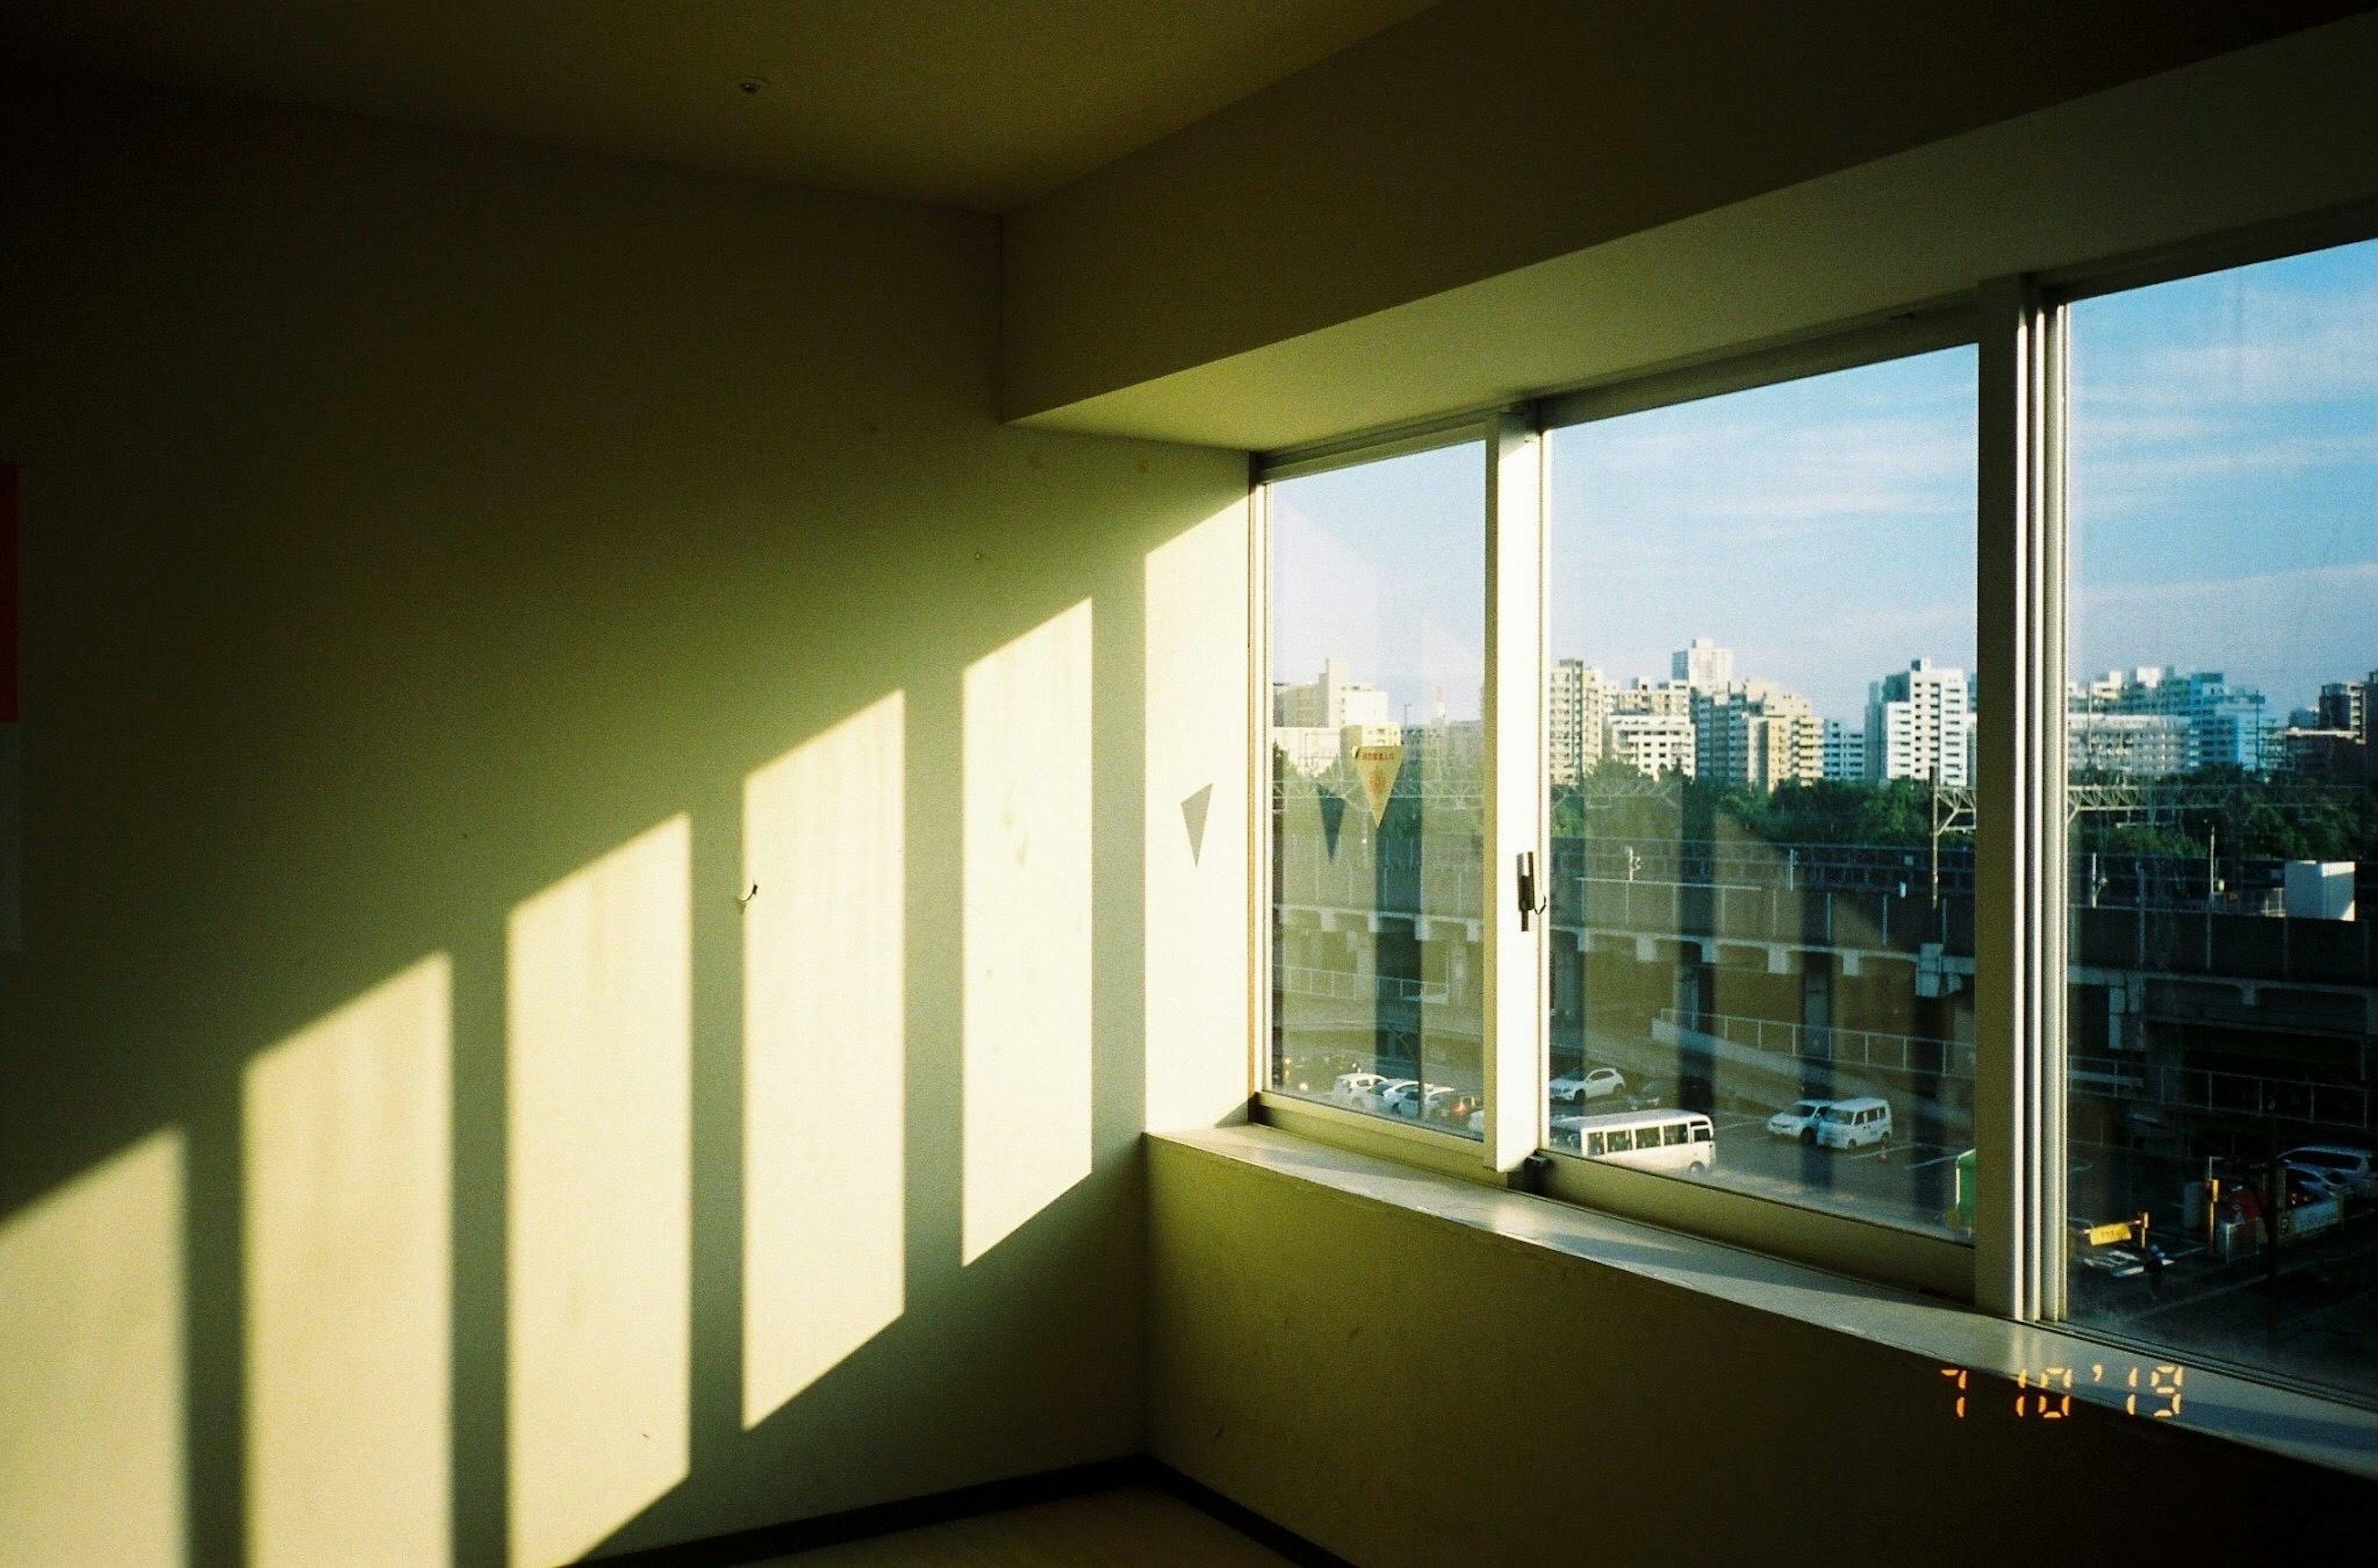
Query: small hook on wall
[{"x": 745, "y": 902}]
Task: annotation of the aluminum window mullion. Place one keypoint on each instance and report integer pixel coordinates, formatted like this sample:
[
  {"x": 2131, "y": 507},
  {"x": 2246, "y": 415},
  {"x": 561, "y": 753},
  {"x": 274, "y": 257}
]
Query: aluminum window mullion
[
  {"x": 1260, "y": 826},
  {"x": 1514, "y": 796},
  {"x": 2052, "y": 929},
  {"x": 2019, "y": 913}
]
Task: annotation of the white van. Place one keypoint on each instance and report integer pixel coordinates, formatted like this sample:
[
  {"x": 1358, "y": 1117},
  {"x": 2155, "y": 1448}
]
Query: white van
[
  {"x": 1854, "y": 1124},
  {"x": 1653, "y": 1140}
]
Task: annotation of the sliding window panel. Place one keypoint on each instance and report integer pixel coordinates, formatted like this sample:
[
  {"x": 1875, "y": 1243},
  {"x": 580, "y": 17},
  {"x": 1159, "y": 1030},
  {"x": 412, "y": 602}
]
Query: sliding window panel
[
  {"x": 1377, "y": 764},
  {"x": 1759, "y": 757},
  {"x": 2221, "y": 1004}
]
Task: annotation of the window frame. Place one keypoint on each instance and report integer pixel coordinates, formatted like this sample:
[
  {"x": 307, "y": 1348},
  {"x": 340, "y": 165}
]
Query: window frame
[{"x": 2014, "y": 1267}]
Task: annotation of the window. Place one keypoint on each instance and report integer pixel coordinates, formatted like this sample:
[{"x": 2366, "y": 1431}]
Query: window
[
  {"x": 1757, "y": 751},
  {"x": 1377, "y": 655},
  {"x": 1905, "y": 801},
  {"x": 2221, "y": 648}
]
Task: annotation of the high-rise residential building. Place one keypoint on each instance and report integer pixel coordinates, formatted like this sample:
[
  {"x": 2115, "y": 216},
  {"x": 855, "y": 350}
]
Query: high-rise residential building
[
  {"x": 2369, "y": 730},
  {"x": 1331, "y": 702},
  {"x": 1669, "y": 699},
  {"x": 2344, "y": 705},
  {"x": 1757, "y": 732},
  {"x": 1918, "y": 725},
  {"x": 1309, "y": 751},
  {"x": 1651, "y": 743},
  {"x": 2226, "y": 725},
  {"x": 1310, "y": 719},
  {"x": 1703, "y": 665},
  {"x": 1581, "y": 704},
  {"x": 1841, "y": 752},
  {"x": 2138, "y": 746},
  {"x": 2317, "y": 753}
]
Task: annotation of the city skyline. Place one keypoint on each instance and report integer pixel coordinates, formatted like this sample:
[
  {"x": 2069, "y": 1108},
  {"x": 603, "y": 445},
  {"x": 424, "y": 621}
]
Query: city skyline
[
  {"x": 2224, "y": 496},
  {"x": 1712, "y": 720}
]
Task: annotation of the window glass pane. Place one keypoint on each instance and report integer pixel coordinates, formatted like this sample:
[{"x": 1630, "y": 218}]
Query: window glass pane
[
  {"x": 2222, "y": 630},
  {"x": 1379, "y": 659},
  {"x": 1760, "y": 730}
]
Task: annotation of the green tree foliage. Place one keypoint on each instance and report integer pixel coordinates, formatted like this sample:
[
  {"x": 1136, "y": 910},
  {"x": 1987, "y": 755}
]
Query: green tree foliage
[
  {"x": 2226, "y": 810},
  {"x": 2280, "y": 818}
]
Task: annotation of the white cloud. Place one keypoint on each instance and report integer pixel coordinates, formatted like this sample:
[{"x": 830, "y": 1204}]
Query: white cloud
[{"x": 2271, "y": 348}]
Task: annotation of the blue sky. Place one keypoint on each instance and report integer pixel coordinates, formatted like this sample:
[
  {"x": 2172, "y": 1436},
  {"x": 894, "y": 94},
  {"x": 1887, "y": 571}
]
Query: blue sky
[
  {"x": 2223, "y": 504},
  {"x": 1384, "y": 566},
  {"x": 1823, "y": 529},
  {"x": 2223, "y": 490}
]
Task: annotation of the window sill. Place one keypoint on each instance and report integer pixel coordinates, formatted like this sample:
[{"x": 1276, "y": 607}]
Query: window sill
[{"x": 2275, "y": 1420}]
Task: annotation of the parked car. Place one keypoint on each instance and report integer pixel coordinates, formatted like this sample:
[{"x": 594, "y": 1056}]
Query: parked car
[
  {"x": 1355, "y": 1088},
  {"x": 1853, "y": 1124},
  {"x": 2350, "y": 1166},
  {"x": 1795, "y": 1119},
  {"x": 1576, "y": 1088},
  {"x": 1406, "y": 1099},
  {"x": 2310, "y": 1184},
  {"x": 1378, "y": 1097}
]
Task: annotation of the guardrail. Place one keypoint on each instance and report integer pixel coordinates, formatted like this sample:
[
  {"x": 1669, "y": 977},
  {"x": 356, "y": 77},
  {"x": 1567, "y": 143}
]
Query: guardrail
[
  {"x": 2241, "y": 1094},
  {"x": 1340, "y": 984},
  {"x": 1846, "y": 1048}
]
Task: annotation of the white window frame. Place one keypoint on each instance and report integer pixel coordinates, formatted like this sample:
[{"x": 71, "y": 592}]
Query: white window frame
[{"x": 2014, "y": 1267}]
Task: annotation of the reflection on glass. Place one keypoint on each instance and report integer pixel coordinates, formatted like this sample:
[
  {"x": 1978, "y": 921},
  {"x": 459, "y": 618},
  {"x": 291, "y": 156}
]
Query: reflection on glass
[
  {"x": 2223, "y": 625},
  {"x": 1760, "y": 722},
  {"x": 1379, "y": 659}
]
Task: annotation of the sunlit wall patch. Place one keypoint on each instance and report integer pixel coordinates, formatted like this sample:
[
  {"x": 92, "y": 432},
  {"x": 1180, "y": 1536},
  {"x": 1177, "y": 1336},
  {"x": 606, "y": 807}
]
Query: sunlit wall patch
[
  {"x": 824, "y": 1047},
  {"x": 91, "y": 1427},
  {"x": 599, "y": 1027},
  {"x": 347, "y": 1149},
  {"x": 1026, "y": 910},
  {"x": 1194, "y": 852}
]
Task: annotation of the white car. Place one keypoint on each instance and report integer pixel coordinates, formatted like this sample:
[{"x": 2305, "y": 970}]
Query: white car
[
  {"x": 1573, "y": 1088},
  {"x": 2315, "y": 1184},
  {"x": 1407, "y": 1101},
  {"x": 2346, "y": 1166},
  {"x": 1379, "y": 1098},
  {"x": 1797, "y": 1117},
  {"x": 1355, "y": 1088}
]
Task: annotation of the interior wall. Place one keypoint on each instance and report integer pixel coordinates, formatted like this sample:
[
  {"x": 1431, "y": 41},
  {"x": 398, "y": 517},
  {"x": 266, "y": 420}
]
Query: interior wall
[
  {"x": 1402, "y": 1389},
  {"x": 552, "y": 715},
  {"x": 1484, "y": 136}
]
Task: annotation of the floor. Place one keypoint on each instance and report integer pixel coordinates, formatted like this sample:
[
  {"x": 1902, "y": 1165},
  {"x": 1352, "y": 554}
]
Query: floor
[{"x": 1138, "y": 1526}]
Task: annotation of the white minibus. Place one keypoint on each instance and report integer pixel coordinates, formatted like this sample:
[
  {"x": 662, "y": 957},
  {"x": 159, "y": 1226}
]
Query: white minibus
[{"x": 1653, "y": 1139}]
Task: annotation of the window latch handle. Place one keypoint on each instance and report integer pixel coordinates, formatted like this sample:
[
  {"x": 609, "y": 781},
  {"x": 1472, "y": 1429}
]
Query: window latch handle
[{"x": 1531, "y": 902}]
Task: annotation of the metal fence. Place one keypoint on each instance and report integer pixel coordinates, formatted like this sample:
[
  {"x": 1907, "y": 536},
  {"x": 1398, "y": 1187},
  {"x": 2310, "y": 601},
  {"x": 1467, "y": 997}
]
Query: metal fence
[
  {"x": 1913, "y": 1054},
  {"x": 1344, "y": 985}
]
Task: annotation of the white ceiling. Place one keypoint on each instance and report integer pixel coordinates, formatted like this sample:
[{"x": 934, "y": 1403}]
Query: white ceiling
[{"x": 977, "y": 103}]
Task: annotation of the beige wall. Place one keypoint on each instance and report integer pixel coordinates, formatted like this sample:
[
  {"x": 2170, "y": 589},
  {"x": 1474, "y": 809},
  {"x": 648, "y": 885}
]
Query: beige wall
[
  {"x": 1407, "y": 1391},
  {"x": 1484, "y": 136},
  {"x": 454, "y": 571}
]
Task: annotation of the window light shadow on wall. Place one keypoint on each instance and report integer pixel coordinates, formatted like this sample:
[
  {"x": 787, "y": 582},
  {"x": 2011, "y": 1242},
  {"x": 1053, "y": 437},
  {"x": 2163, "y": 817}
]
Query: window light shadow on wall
[
  {"x": 598, "y": 1015},
  {"x": 1026, "y": 782},
  {"x": 346, "y": 1146},
  {"x": 92, "y": 1368},
  {"x": 824, "y": 998},
  {"x": 1194, "y": 834}
]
